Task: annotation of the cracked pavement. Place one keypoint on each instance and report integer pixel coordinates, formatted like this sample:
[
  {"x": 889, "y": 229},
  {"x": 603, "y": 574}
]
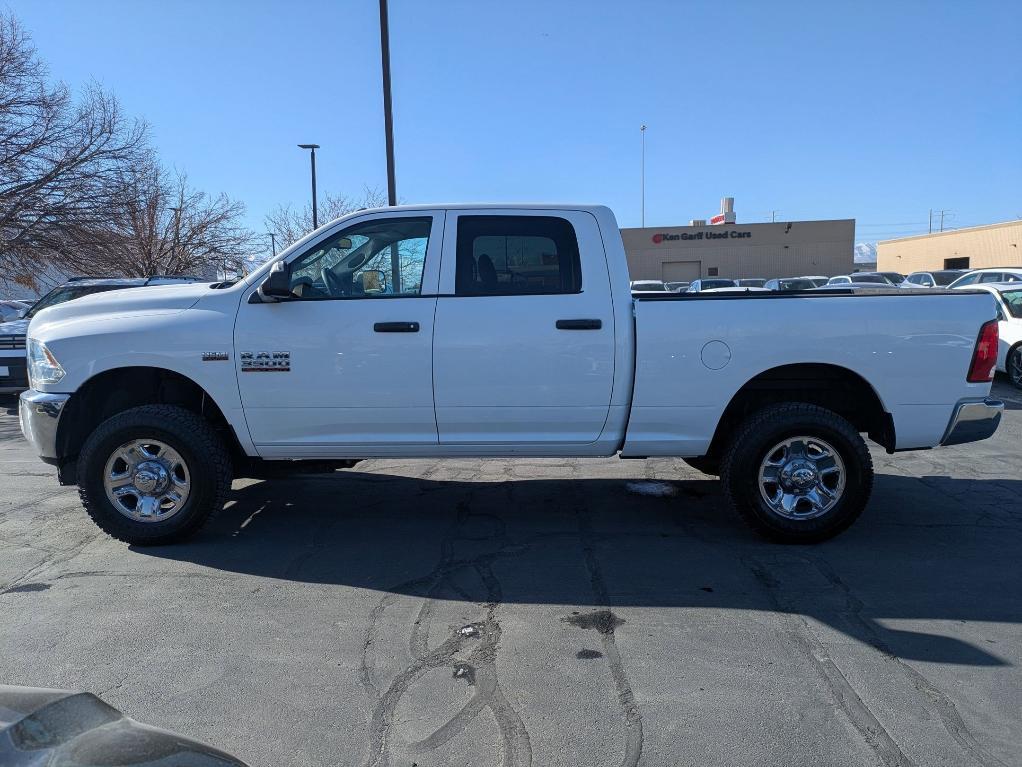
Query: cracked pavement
[{"x": 538, "y": 612}]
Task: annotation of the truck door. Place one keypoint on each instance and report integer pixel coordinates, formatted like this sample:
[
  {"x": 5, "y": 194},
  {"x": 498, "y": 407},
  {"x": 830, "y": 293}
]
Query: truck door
[
  {"x": 523, "y": 349},
  {"x": 347, "y": 364}
]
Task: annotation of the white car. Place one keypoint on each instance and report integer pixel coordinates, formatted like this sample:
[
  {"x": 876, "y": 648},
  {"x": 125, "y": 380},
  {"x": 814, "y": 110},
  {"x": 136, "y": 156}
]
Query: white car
[
  {"x": 648, "y": 286},
  {"x": 988, "y": 276},
  {"x": 493, "y": 330},
  {"x": 939, "y": 278},
  {"x": 1009, "y": 314}
]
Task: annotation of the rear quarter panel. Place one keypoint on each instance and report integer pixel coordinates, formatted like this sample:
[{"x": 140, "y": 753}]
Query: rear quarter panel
[{"x": 914, "y": 349}]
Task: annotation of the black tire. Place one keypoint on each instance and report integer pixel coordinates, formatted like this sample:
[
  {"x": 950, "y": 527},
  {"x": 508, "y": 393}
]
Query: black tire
[
  {"x": 1013, "y": 364},
  {"x": 766, "y": 428},
  {"x": 209, "y": 467},
  {"x": 705, "y": 464}
]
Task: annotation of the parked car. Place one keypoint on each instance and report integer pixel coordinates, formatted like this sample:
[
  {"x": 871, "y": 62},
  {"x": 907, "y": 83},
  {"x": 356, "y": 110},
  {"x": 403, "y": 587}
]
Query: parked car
[
  {"x": 789, "y": 283},
  {"x": 895, "y": 278},
  {"x": 858, "y": 287},
  {"x": 676, "y": 287},
  {"x": 987, "y": 276},
  {"x": 940, "y": 278},
  {"x": 816, "y": 279},
  {"x": 12, "y": 310},
  {"x": 152, "y": 401},
  {"x": 1009, "y": 326},
  {"x": 861, "y": 277},
  {"x": 709, "y": 282},
  {"x": 751, "y": 282},
  {"x": 647, "y": 286},
  {"x": 13, "y": 374}
]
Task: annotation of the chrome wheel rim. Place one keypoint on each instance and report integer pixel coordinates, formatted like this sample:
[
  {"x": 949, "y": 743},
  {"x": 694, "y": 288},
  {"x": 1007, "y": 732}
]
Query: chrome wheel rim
[
  {"x": 147, "y": 480},
  {"x": 801, "y": 478},
  {"x": 1015, "y": 367}
]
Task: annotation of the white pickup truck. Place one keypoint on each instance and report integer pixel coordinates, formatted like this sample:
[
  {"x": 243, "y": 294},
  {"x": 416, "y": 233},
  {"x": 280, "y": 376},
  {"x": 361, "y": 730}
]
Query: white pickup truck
[{"x": 490, "y": 330}]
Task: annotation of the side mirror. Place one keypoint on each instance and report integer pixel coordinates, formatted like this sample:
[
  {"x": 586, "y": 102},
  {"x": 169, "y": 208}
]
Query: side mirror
[{"x": 277, "y": 284}]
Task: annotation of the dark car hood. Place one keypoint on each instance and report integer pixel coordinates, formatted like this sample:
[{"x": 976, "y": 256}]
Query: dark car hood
[
  {"x": 39, "y": 728},
  {"x": 14, "y": 328}
]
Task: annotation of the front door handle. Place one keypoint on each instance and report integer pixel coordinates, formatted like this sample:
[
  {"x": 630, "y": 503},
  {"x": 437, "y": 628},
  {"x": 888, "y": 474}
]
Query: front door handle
[
  {"x": 396, "y": 327},
  {"x": 579, "y": 324}
]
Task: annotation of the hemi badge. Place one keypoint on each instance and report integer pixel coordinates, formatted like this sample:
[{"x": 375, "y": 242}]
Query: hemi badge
[{"x": 215, "y": 356}]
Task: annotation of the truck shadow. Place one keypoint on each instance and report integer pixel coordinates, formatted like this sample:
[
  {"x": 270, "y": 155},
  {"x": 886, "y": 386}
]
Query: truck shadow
[{"x": 930, "y": 549}]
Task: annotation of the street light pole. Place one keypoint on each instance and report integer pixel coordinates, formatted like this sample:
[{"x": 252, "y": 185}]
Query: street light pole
[
  {"x": 273, "y": 243},
  {"x": 315, "y": 212},
  {"x": 388, "y": 116},
  {"x": 642, "y": 173}
]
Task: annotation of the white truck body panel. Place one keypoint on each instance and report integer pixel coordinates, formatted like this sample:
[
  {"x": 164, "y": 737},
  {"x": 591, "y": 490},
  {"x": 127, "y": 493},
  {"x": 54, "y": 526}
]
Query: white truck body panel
[
  {"x": 915, "y": 356},
  {"x": 491, "y": 375}
]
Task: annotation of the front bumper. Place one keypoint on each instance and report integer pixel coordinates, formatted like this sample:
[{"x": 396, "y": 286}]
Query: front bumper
[
  {"x": 972, "y": 421},
  {"x": 40, "y": 415}
]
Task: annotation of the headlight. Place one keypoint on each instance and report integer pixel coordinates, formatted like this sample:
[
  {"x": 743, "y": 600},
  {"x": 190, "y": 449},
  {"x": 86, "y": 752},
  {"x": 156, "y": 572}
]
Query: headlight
[{"x": 43, "y": 367}]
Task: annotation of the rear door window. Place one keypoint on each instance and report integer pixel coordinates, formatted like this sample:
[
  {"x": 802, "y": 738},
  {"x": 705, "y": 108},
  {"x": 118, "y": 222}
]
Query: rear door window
[{"x": 516, "y": 255}]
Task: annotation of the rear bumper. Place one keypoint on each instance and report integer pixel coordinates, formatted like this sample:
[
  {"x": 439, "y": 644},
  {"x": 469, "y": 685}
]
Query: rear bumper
[
  {"x": 40, "y": 415},
  {"x": 973, "y": 420}
]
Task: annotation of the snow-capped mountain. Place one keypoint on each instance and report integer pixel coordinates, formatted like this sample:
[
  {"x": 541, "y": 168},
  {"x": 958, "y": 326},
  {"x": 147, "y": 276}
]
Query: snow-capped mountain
[{"x": 865, "y": 252}]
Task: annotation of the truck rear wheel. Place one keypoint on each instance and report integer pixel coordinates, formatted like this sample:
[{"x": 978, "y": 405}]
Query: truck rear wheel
[
  {"x": 153, "y": 474},
  {"x": 797, "y": 473}
]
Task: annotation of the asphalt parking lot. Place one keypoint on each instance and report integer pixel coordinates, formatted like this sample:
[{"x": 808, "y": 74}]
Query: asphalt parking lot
[{"x": 529, "y": 612}]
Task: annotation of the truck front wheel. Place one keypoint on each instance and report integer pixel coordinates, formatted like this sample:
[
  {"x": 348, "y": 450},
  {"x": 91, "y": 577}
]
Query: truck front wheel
[
  {"x": 153, "y": 474},
  {"x": 797, "y": 473}
]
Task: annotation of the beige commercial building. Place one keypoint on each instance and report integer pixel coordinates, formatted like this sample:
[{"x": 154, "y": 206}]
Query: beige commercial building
[
  {"x": 973, "y": 248},
  {"x": 783, "y": 249}
]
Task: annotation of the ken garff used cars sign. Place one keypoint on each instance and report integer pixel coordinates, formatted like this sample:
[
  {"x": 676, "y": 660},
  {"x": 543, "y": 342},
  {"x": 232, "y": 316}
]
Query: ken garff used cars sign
[{"x": 727, "y": 233}]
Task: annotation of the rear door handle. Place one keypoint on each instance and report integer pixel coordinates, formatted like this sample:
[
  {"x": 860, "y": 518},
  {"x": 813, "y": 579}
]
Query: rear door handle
[
  {"x": 396, "y": 327},
  {"x": 579, "y": 324}
]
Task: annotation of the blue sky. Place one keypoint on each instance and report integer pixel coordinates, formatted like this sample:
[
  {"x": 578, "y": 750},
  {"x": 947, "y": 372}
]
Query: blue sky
[{"x": 876, "y": 111}]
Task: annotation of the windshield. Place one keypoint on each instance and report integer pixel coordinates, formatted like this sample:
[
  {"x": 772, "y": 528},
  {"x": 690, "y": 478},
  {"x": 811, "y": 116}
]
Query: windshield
[
  {"x": 878, "y": 279},
  {"x": 895, "y": 278},
  {"x": 1013, "y": 300},
  {"x": 69, "y": 293},
  {"x": 709, "y": 284},
  {"x": 945, "y": 278},
  {"x": 648, "y": 285},
  {"x": 750, "y": 282}
]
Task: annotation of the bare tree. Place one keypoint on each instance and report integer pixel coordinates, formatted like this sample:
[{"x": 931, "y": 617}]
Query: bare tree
[
  {"x": 161, "y": 225},
  {"x": 291, "y": 224},
  {"x": 60, "y": 160}
]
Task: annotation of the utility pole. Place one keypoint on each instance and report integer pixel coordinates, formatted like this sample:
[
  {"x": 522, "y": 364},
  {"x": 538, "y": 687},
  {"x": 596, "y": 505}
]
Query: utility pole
[
  {"x": 642, "y": 173},
  {"x": 273, "y": 243},
  {"x": 315, "y": 212},
  {"x": 929, "y": 228},
  {"x": 773, "y": 216},
  {"x": 388, "y": 116}
]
